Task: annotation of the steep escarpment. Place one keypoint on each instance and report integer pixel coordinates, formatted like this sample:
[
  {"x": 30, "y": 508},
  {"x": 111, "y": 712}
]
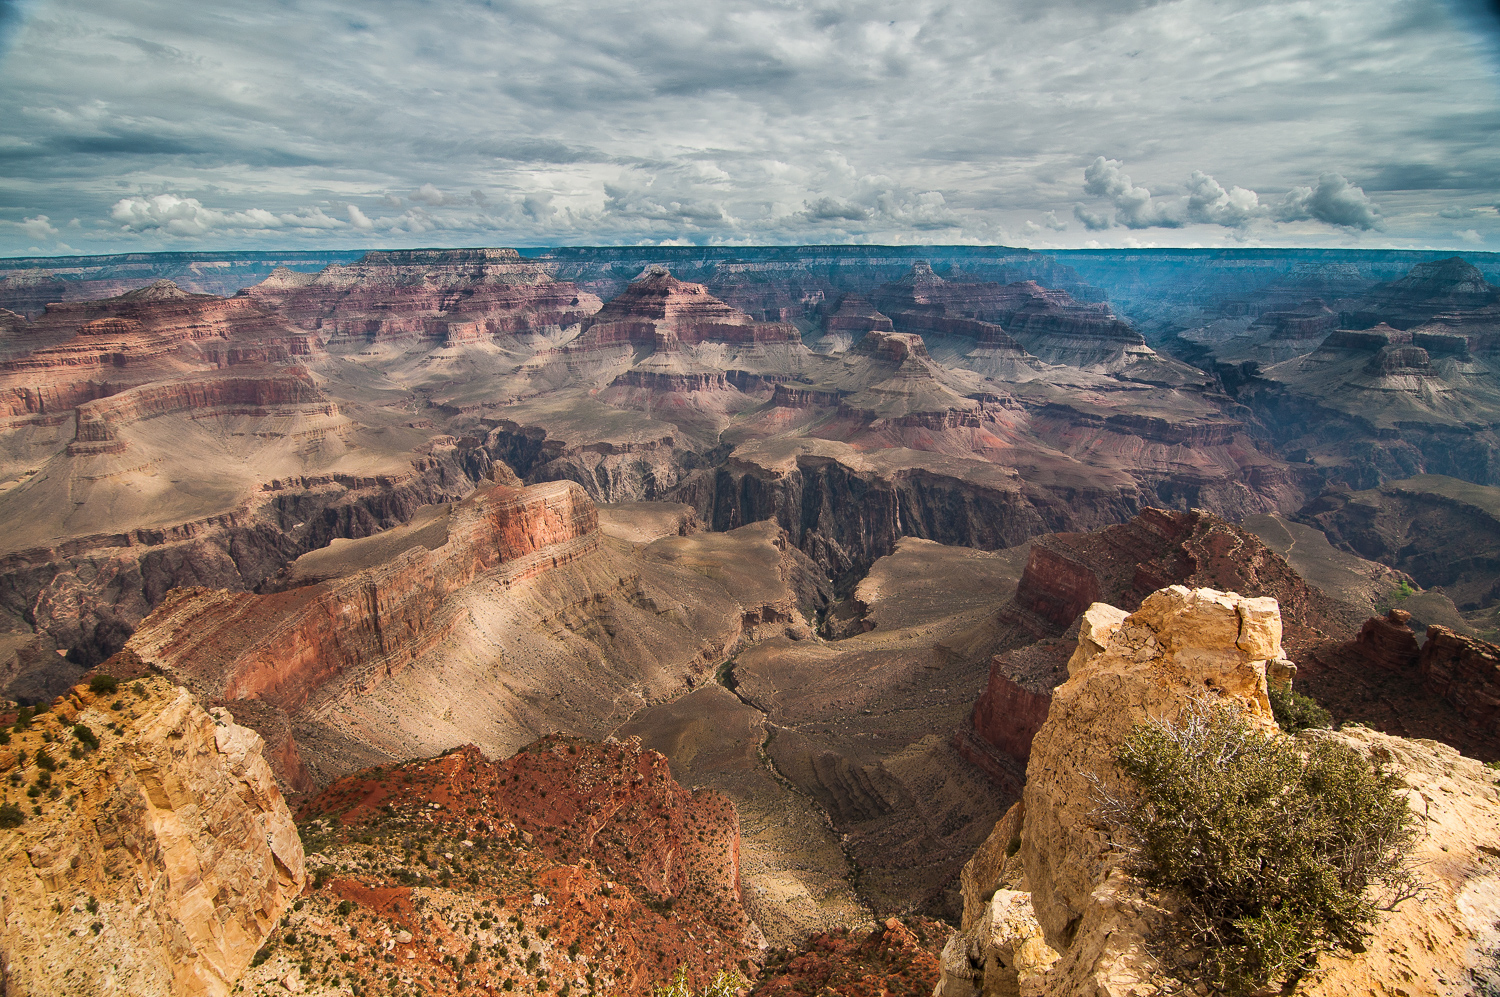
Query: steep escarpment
[
  {"x": 166, "y": 866},
  {"x": 492, "y": 620},
  {"x": 285, "y": 392},
  {"x": 1447, "y": 688},
  {"x": 1056, "y": 910},
  {"x": 1066, "y": 573},
  {"x": 281, "y": 648},
  {"x": 85, "y": 595},
  {"x": 845, "y": 508}
]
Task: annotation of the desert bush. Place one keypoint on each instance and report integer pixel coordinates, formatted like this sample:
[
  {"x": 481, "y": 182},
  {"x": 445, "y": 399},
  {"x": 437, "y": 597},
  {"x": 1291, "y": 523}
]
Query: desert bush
[
  {"x": 1295, "y": 712},
  {"x": 1275, "y": 849},
  {"x": 103, "y": 684},
  {"x": 725, "y": 984},
  {"x": 11, "y": 815}
]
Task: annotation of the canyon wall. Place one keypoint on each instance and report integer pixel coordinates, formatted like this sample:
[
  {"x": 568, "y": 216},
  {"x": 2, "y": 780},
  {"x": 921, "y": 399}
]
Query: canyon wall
[{"x": 282, "y": 647}]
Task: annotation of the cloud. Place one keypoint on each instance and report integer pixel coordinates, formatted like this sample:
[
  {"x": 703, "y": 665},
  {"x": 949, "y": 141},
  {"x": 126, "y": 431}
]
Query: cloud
[
  {"x": 39, "y": 228},
  {"x": 957, "y": 120},
  {"x": 358, "y": 220},
  {"x": 1335, "y": 201},
  {"x": 428, "y": 194},
  {"x": 1470, "y": 236},
  {"x": 1211, "y": 204},
  {"x": 1091, "y": 221},
  {"x": 1457, "y": 211},
  {"x": 186, "y": 217},
  {"x": 832, "y": 209},
  {"x": 1134, "y": 206}
]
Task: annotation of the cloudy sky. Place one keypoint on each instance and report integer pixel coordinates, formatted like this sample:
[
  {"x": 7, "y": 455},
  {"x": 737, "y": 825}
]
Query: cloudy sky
[{"x": 134, "y": 125}]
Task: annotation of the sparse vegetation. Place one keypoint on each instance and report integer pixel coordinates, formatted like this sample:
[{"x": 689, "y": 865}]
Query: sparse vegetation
[
  {"x": 11, "y": 815},
  {"x": 726, "y": 984},
  {"x": 1276, "y": 849},
  {"x": 103, "y": 685},
  {"x": 1295, "y": 712}
]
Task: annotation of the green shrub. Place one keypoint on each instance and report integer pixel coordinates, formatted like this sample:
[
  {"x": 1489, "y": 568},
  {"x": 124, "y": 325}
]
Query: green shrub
[
  {"x": 1277, "y": 849},
  {"x": 725, "y": 984},
  {"x": 1295, "y": 712},
  {"x": 103, "y": 684},
  {"x": 11, "y": 815}
]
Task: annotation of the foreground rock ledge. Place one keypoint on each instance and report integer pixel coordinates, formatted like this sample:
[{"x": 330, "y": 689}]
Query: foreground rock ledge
[
  {"x": 161, "y": 867},
  {"x": 1047, "y": 910}
]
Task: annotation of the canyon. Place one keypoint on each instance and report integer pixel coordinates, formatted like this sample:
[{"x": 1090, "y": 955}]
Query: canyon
[{"x": 808, "y": 535}]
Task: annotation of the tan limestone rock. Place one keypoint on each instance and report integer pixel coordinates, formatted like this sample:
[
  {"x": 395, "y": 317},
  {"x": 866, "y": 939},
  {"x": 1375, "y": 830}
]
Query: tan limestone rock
[{"x": 162, "y": 865}]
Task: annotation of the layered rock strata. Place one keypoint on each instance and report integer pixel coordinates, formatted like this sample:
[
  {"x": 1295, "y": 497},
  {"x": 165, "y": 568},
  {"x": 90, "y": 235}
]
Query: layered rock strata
[
  {"x": 659, "y": 310},
  {"x": 281, "y": 648},
  {"x": 169, "y": 862}
]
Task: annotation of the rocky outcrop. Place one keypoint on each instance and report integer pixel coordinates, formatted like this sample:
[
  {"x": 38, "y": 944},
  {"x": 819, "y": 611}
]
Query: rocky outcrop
[
  {"x": 282, "y": 648},
  {"x": 167, "y": 865},
  {"x": 1466, "y": 672},
  {"x": 570, "y": 865},
  {"x": 660, "y": 305},
  {"x": 895, "y": 959},
  {"x": 1181, "y": 645},
  {"x": 27, "y": 292},
  {"x": 1430, "y": 289}
]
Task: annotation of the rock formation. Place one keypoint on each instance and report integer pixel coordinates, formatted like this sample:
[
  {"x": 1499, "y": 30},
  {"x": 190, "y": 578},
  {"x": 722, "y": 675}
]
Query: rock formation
[
  {"x": 1067, "y": 572},
  {"x": 451, "y": 296},
  {"x": 570, "y": 866},
  {"x": 1058, "y": 865},
  {"x": 659, "y": 310},
  {"x": 166, "y": 865}
]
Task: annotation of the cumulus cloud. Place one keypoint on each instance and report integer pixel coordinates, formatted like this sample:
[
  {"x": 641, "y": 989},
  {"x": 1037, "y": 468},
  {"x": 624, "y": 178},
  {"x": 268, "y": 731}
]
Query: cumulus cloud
[
  {"x": 1209, "y": 203},
  {"x": 186, "y": 217},
  {"x": 358, "y": 219},
  {"x": 1470, "y": 236},
  {"x": 430, "y": 195},
  {"x": 39, "y": 228},
  {"x": 1134, "y": 206},
  {"x": 1335, "y": 201},
  {"x": 1457, "y": 211},
  {"x": 1092, "y": 221},
  {"x": 1050, "y": 220}
]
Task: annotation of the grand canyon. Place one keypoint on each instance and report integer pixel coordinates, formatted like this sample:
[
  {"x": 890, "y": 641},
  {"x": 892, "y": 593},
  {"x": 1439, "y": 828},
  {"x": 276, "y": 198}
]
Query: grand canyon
[{"x": 482, "y": 620}]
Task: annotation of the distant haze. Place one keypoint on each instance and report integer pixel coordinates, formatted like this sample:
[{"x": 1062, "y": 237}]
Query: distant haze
[{"x": 132, "y": 125}]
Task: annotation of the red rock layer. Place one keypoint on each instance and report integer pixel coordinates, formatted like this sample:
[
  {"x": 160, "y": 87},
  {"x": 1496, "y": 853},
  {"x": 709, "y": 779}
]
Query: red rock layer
[
  {"x": 894, "y": 960},
  {"x": 283, "y": 647},
  {"x": 615, "y": 873},
  {"x": 136, "y": 338},
  {"x": 1121, "y": 565},
  {"x": 660, "y": 303},
  {"x": 457, "y": 295},
  {"x": 99, "y": 420},
  {"x": 1464, "y": 671},
  {"x": 857, "y": 315}
]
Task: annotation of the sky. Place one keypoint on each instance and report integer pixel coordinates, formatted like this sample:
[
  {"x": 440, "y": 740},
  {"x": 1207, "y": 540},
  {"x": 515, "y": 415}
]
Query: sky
[{"x": 128, "y": 125}]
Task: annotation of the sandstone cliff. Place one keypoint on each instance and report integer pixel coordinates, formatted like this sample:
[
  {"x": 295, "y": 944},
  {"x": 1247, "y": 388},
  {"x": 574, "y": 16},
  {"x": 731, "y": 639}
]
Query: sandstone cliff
[
  {"x": 1061, "y": 883},
  {"x": 159, "y": 861}
]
